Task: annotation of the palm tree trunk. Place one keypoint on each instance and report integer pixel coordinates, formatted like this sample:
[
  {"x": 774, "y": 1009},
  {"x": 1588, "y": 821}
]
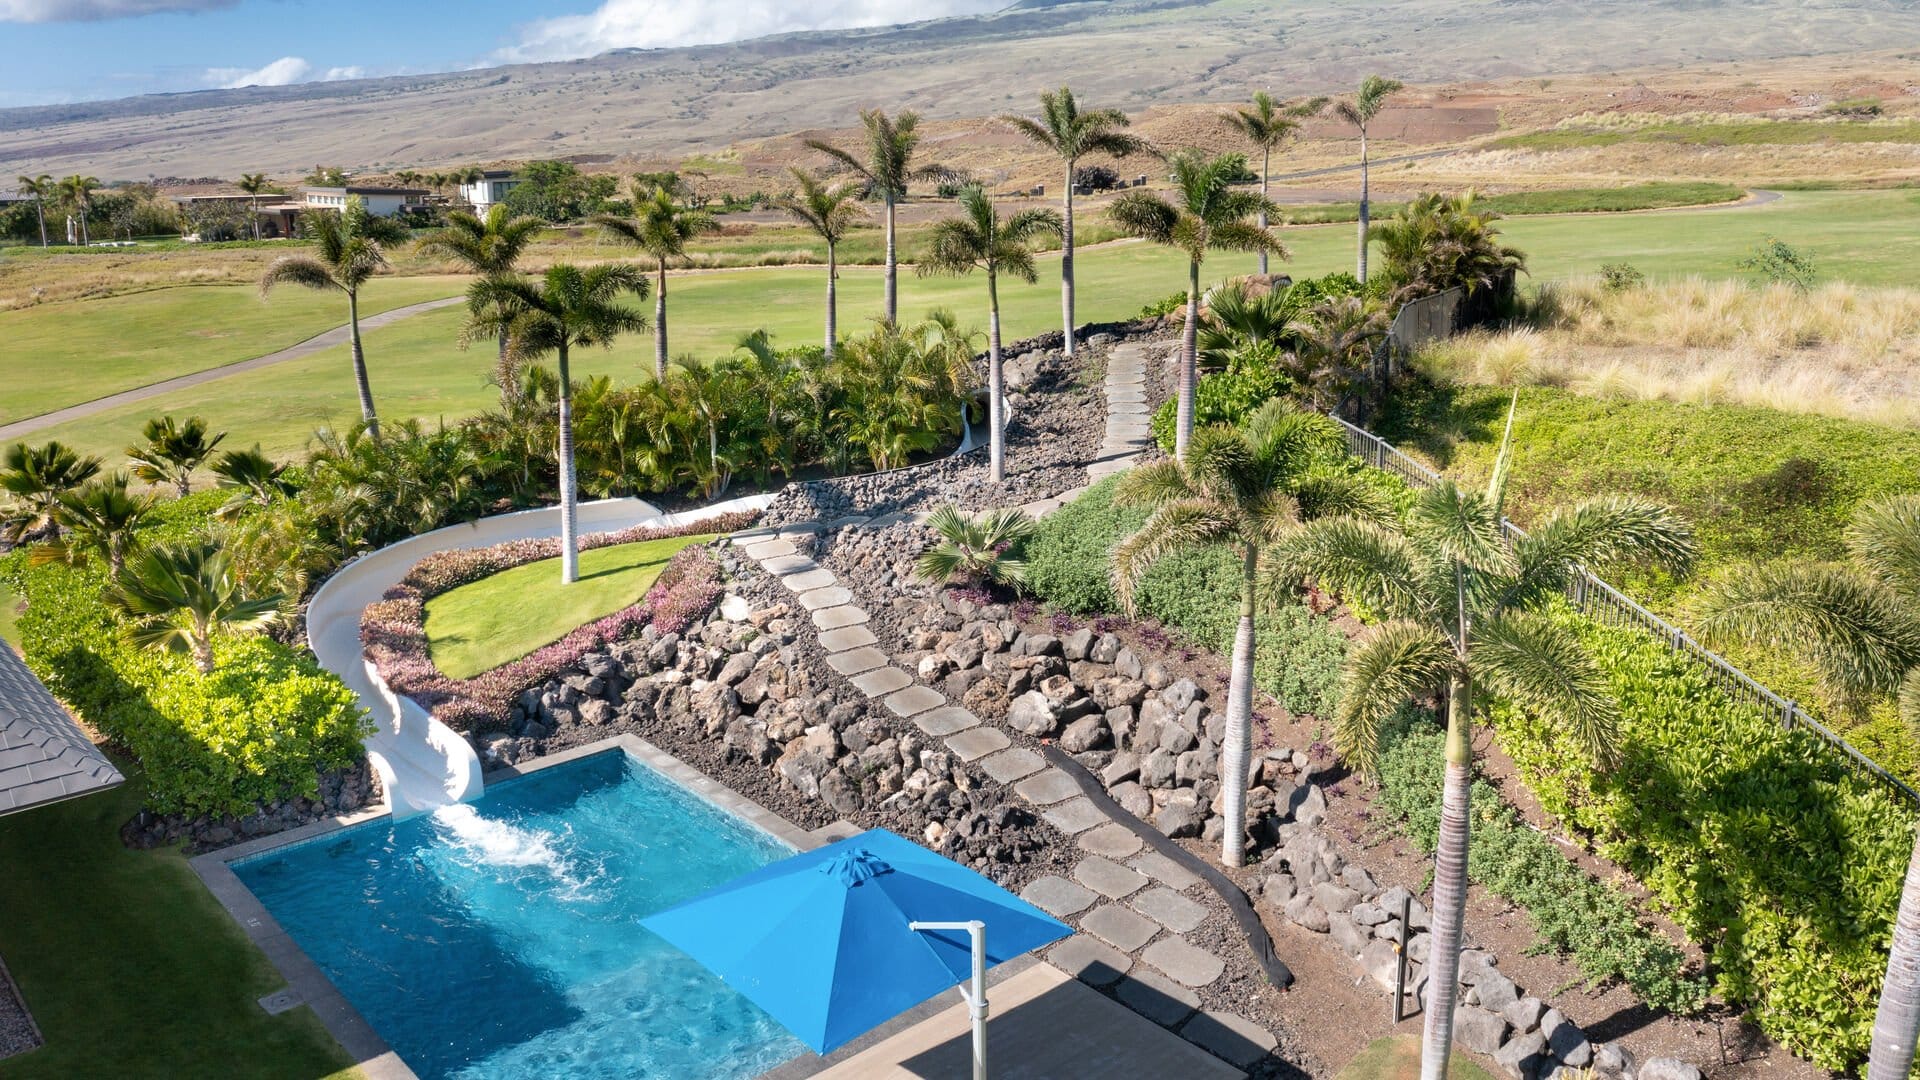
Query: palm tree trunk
[
  {"x": 1362, "y": 273},
  {"x": 254, "y": 205},
  {"x": 660, "y": 325},
  {"x": 891, "y": 304},
  {"x": 833, "y": 299},
  {"x": 1233, "y": 756},
  {"x": 1266, "y": 165},
  {"x": 569, "y": 539},
  {"x": 1449, "y": 886},
  {"x": 504, "y": 374},
  {"x": 85, "y": 240},
  {"x": 1897, "y": 1021},
  {"x": 360, "y": 366},
  {"x": 40, "y": 211},
  {"x": 996, "y": 406},
  {"x": 1066, "y": 265},
  {"x": 1184, "y": 380},
  {"x": 202, "y": 647}
]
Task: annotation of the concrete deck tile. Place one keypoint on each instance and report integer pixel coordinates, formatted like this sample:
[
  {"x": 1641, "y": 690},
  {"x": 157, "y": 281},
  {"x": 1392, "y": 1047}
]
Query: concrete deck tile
[
  {"x": 882, "y": 681},
  {"x": 781, "y": 565},
  {"x": 1012, "y": 764},
  {"x": 748, "y": 536},
  {"x": 769, "y": 548},
  {"x": 802, "y": 528},
  {"x": 1074, "y": 816},
  {"x": 976, "y": 743},
  {"x": 1184, "y": 962},
  {"x": 1113, "y": 840},
  {"x": 1156, "y": 997},
  {"x": 1108, "y": 878},
  {"x": 1124, "y": 930},
  {"x": 837, "y": 617},
  {"x": 843, "y": 522},
  {"x": 1090, "y": 961},
  {"x": 842, "y": 638},
  {"x": 817, "y": 578},
  {"x": 831, "y": 596},
  {"x": 1170, "y": 909},
  {"x": 1166, "y": 871},
  {"x": 1231, "y": 1036},
  {"x": 1057, "y": 896},
  {"x": 887, "y": 520},
  {"x": 1047, "y": 788},
  {"x": 942, "y": 722},
  {"x": 915, "y": 700},
  {"x": 855, "y": 661}
]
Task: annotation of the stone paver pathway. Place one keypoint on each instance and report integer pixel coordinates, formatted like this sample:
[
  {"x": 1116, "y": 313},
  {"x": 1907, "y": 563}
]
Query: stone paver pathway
[{"x": 1129, "y": 420}]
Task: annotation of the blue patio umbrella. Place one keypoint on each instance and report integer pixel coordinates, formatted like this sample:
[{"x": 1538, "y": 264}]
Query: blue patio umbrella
[{"x": 834, "y": 942}]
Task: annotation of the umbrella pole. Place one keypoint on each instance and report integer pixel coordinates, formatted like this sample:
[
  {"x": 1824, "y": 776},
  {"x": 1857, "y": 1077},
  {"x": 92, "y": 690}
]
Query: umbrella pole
[{"x": 977, "y": 996}]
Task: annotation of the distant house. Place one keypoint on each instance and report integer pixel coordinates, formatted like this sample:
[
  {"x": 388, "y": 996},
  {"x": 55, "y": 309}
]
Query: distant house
[
  {"x": 492, "y": 187},
  {"x": 279, "y": 213},
  {"x": 380, "y": 201}
]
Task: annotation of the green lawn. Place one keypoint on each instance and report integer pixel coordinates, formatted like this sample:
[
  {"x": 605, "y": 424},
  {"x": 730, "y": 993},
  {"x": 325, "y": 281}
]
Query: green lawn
[
  {"x": 9, "y": 617},
  {"x": 417, "y": 370},
  {"x": 1587, "y": 200},
  {"x": 1397, "y": 1057},
  {"x": 130, "y": 966},
  {"x": 479, "y": 626},
  {"x": 61, "y": 354}
]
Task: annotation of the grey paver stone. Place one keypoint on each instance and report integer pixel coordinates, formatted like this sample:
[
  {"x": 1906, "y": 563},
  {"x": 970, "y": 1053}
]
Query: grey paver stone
[
  {"x": 808, "y": 579},
  {"x": 1166, "y": 871},
  {"x": 1183, "y": 961},
  {"x": 789, "y": 564},
  {"x": 1012, "y": 764},
  {"x": 1231, "y": 1036},
  {"x": 1170, "y": 909},
  {"x": 882, "y": 681},
  {"x": 843, "y": 522},
  {"x": 842, "y": 638},
  {"x": 1124, "y": 930},
  {"x": 1047, "y": 788},
  {"x": 770, "y": 548},
  {"x": 1074, "y": 816},
  {"x": 914, "y": 700},
  {"x": 802, "y": 528},
  {"x": 977, "y": 743},
  {"x": 1113, "y": 840},
  {"x": 1089, "y": 961},
  {"x": 1156, "y": 997},
  {"x": 1057, "y": 896},
  {"x": 855, "y": 661},
  {"x": 887, "y": 520},
  {"x": 837, "y": 617},
  {"x": 1108, "y": 878},
  {"x": 748, "y": 536},
  {"x": 944, "y": 721},
  {"x": 831, "y": 596}
]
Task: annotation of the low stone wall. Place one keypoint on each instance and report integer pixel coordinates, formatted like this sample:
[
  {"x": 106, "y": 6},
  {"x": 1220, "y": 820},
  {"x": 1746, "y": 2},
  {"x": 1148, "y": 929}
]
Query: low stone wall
[{"x": 342, "y": 791}]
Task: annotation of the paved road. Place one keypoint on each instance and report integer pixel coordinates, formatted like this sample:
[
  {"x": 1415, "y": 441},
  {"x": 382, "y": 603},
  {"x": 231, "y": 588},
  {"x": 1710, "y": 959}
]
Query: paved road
[{"x": 336, "y": 336}]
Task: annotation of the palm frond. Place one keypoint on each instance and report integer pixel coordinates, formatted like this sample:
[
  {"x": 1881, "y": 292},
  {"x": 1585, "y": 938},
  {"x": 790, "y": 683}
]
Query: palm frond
[
  {"x": 1367, "y": 562},
  {"x": 1601, "y": 532},
  {"x": 1174, "y": 526},
  {"x": 303, "y": 270},
  {"x": 1395, "y": 663},
  {"x": 1885, "y": 537},
  {"x": 1863, "y": 636},
  {"x": 1152, "y": 485},
  {"x": 1541, "y": 667}
]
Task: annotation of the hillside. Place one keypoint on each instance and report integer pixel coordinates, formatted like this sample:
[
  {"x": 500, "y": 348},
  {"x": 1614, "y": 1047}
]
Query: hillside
[{"x": 640, "y": 104}]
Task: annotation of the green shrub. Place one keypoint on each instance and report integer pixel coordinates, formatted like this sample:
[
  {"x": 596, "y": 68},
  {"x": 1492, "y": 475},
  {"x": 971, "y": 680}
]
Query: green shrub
[
  {"x": 1164, "y": 306},
  {"x": 1226, "y": 397},
  {"x": 1758, "y": 840},
  {"x": 1621, "y": 277},
  {"x": 1067, "y": 557}
]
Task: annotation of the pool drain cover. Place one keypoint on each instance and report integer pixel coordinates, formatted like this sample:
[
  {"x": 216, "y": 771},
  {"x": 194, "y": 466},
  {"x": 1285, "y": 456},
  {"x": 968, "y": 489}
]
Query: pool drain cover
[{"x": 279, "y": 1001}]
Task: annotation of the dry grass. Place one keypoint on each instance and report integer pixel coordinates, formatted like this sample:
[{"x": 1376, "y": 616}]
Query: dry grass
[{"x": 1838, "y": 350}]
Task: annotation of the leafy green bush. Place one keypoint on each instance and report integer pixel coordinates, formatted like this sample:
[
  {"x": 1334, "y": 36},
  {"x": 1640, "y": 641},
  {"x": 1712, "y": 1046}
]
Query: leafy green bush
[
  {"x": 1762, "y": 845},
  {"x": 1164, "y": 306},
  {"x": 1572, "y": 911},
  {"x": 1226, "y": 397},
  {"x": 1067, "y": 557}
]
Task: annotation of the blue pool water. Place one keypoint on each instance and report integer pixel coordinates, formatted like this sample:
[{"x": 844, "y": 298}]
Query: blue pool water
[{"x": 502, "y": 939}]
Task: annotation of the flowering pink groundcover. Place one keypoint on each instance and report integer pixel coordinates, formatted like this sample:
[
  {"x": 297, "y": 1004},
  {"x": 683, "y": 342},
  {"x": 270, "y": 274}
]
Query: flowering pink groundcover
[{"x": 393, "y": 632}]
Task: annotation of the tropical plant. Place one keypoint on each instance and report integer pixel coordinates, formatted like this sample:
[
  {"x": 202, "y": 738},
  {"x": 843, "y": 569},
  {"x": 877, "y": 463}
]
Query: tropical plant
[
  {"x": 570, "y": 307},
  {"x": 180, "y": 595},
  {"x": 1070, "y": 134},
  {"x": 897, "y": 389},
  {"x": 1235, "y": 319},
  {"x": 488, "y": 246},
  {"x": 1209, "y": 214},
  {"x": 36, "y": 477},
  {"x": 980, "y": 238},
  {"x": 253, "y": 478},
  {"x": 253, "y": 184},
  {"x": 1246, "y": 487},
  {"x": 708, "y": 395},
  {"x": 77, "y": 192},
  {"x": 1461, "y": 611},
  {"x": 100, "y": 518},
  {"x": 1360, "y": 111},
  {"x": 830, "y": 210},
  {"x": 975, "y": 549},
  {"x": 1268, "y": 125},
  {"x": 1859, "y": 624},
  {"x": 1333, "y": 348},
  {"x": 886, "y": 169},
  {"x": 40, "y": 188},
  {"x": 660, "y": 227},
  {"x": 347, "y": 253},
  {"x": 362, "y": 492},
  {"x": 172, "y": 451},
  {"x": 1439, "y": 241}
]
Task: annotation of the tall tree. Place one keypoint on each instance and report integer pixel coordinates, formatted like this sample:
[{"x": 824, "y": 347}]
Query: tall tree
[
  {"x": 77, "y": 191},
  {"x": 1859, "y": 623},
  {"x": 101, "y": 517},
  {"x": 489, "y": 247},
  {"x": 979, "y": 238},
  {"x": 1071, "y": 134},
  {"x": 887, "y": 169},
  {"x": 42, "y": 188},
  {"x": 1207, "y": 213},
  {"x": 1360, "y": 111},
  {"x": 1439, "y": 241},
  {"x": 179, "y": 596},
  {"x": 1245, "y": 487},
  {"x": 1268, "y": 125},
  {"x": 570, "y": 307},
  {"x": 830, "y": 210},
  {"x": 172, "y": 451},
  {"x": 253, "y": 184},
  {"x": 36, "y": 477},
  {"x": 1460, "y": 610},
  {"x": 661, "y": 227},
  {"x": 347, "y": 252}
]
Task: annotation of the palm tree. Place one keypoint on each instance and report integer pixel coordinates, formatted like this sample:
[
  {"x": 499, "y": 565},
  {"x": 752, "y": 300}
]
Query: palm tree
[
  {"x": 1071, "y": 135},
  {"x": 42, "y": 188},
  {"x": 253, "y": 478},
  {"x": 1236, "y": 320},
  {"x": 707, "y": 395},
  {"x": 488, "y": 246},
  {"x": 887, "y": 169},
  {"x": 1245, "y": 487},
  {"x": 180, "y": 596},
  {"x": 172, "y": 451},
  {"x": 1333, "y": 347},
  {"x": 570, "y": 307},
  {"x": 1268, "y": 125},
  {"x": 1439, "y": 241},
  {"x": 1366, "y": 104},
  {"x": 1210, "y": 213},
  {"x": 975, "y": 549},
  {"x": 1860, "y": 625},
  {"x": 899, "y": 387},
  {"x": 979, "y": 238},
  {"x": 253, "y": 184},
  {"x": 347, "y": 252},
  {"x": 77, "y": 191},
  {"x": 100, "y": 517},
  {"x": 36, "y": 477},
  {"x": 661, "y": 227},
  {"x": 1459, "y": 606},
  {"x": 830, "y": 210}
]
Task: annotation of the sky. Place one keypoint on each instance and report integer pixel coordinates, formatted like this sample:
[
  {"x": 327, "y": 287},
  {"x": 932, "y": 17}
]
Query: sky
[{"x": 58, "y": 51}]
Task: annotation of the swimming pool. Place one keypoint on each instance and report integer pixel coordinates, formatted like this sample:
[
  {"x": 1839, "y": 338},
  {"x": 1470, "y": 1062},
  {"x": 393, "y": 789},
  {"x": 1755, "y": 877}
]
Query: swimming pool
[{"x": 502, "y": 939}]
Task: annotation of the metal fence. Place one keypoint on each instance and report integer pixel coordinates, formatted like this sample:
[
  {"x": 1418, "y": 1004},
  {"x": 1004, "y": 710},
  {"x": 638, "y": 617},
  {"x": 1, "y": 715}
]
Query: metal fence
[{"x": 1603, "y": 603}]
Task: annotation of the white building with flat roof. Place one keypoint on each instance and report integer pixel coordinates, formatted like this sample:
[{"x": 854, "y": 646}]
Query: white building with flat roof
[
  {"x": 380, "y": 201},
  {"x": 492, "y": 187}
]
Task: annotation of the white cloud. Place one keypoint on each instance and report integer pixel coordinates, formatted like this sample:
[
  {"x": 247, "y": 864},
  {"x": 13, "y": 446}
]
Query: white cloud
[
  {"x": 618, "y": 24},
  {"x": 287, "y": 69},
  {"x": 36, "y": 11},
  {"x": 335, "y": 74}
]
